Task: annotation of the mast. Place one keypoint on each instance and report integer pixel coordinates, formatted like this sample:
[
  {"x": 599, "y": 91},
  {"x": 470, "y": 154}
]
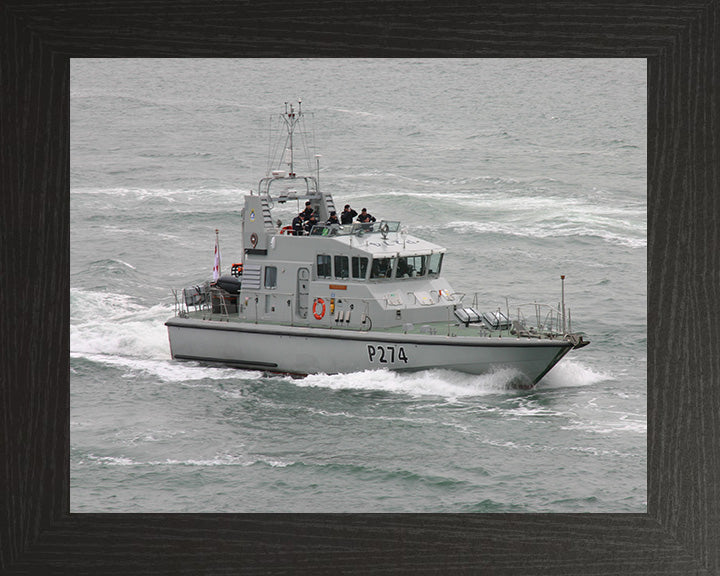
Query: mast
[
  {"x": 562, "y": 280},
  {"x": 288, "y": 179},
  {"x": 291, "y": 120},
  {"x": 317, "y": 178}
]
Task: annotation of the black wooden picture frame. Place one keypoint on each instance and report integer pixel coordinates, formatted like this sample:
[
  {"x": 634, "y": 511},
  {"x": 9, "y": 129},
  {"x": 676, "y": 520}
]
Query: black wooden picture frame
[{"x": 680, "y": 533}]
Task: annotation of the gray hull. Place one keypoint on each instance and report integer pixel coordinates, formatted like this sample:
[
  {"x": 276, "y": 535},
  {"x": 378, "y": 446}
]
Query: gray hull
[{"x": 301, "y": 350}]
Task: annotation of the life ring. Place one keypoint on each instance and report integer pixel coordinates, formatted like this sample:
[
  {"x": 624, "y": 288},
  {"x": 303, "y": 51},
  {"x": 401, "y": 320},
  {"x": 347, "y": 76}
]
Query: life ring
[
  {"x": 321, "y": 302},
  {"x": 287, "y": 230}
]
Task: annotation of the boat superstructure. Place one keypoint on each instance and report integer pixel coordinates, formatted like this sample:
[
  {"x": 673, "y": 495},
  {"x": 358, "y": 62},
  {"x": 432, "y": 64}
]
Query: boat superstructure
[{"x": 346, "y": 298}]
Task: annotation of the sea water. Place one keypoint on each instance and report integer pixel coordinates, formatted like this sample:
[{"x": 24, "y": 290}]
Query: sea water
[{"x": 525, "y": 170}]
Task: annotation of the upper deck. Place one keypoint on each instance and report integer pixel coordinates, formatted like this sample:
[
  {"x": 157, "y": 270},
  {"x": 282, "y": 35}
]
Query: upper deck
[{"x": 384, "y": 238}]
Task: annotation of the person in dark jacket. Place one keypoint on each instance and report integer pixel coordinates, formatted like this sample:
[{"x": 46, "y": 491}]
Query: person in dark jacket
[
  {"x": 333, "y": 224},
  {"x": 347, "y": 215},
  {"x": 365, "y": 217},
  {"x": 333, "y": 219},
  {"x": 298, "y": 224},
  {"x": 309, "y": 223},
  {"x": 308, "y": 211}
]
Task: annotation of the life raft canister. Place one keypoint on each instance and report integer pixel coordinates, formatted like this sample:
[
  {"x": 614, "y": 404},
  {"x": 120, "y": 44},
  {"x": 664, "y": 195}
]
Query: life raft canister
[{"x": 319, "y": 302}]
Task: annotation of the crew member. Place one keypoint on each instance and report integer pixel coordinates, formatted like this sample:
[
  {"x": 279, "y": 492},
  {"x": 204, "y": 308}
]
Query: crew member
[
  {"x": 308, "y": 210},
  {"x": 365, "y": 217},
  {"x": 333, "y": 219},
  {"x": 310, "y": 222},
  {"x": 298, "y": 223},
  {"x": 347, "y": 215}
]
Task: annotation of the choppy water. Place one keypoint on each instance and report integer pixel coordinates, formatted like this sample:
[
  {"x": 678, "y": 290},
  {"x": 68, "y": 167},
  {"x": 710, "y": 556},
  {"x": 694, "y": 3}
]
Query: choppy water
[{"x": 523, "y": 169}]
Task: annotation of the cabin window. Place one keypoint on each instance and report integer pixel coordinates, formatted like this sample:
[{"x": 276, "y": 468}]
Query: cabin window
[
  {"x": 342, "y": 267},
  {"x": 324, "y": 266},
  {"x": 382, "y": 267},
  {"x": 270, "y": 277},
  {"x": 410, "y": 267},
  {"x": 434, "y": 263},
  {"x": 359, "y": 267}
]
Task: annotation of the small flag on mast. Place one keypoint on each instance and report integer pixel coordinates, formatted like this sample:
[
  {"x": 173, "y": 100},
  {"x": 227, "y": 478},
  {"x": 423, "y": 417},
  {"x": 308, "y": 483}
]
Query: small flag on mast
[{"x": 216, "y": 266}]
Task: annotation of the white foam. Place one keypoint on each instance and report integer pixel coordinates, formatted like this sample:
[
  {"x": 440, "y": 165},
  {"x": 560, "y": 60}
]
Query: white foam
[
  {"x": 110, "y": 460},
  {"x": 541, "y": 215},
  {"x": 217, "y": 460},
  {"x": 168, "y": 370},
  {"x": 223, "y": 460},
  {"x": 530, "y": 411},
  {"x": 444, "y": 383},
  {"x": 126, "y": 264},
  {"x": 571, "y": 373},
  {"x": 116, "y": 324},
  {"x": 451, "y": 385},
  {"x": 130, "y": 339},
  {"x": 633, "y": 237},
  {"x": 115, "y": 330},
  {"x": 599, "y": 452},
  {"x": 605, "y": 428},
  {"x": 271, "y": 462}
]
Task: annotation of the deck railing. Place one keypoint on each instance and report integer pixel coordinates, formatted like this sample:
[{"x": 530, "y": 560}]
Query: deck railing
[
  {"x": 383, "y": 227},
  {"x": 546, "y": 318},
  {"x": 529, "y": 319}
]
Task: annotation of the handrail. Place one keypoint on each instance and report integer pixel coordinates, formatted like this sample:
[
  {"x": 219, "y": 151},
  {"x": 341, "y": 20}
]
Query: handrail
[
  {"x": 383, "y": 227},
  {"x": 547, "y": 318},
  {"x": 212, "y": 302}
]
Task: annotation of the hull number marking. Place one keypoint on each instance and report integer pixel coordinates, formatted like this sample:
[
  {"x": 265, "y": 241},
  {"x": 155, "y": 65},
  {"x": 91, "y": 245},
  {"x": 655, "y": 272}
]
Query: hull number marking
[{"x": 386, "y": 354}]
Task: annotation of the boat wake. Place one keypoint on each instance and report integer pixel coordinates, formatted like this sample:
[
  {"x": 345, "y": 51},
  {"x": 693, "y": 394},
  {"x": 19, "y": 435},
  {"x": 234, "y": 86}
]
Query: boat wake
[
  {"x": 450, "y": 384},
  {"x": 446, "y": 384},
  {"x": 113, "y": 330},
  {"x": 571, "y": 373},
  {"x": 115, "y": 324}
]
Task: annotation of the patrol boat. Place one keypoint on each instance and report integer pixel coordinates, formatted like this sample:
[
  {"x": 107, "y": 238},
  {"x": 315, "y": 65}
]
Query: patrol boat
[{"x": 349, "y": 298}]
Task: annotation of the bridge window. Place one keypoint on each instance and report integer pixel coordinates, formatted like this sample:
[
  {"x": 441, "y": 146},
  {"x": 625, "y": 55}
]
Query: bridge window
[
  {"x": 324, "y": 266},
  {"x": 410, "y": 266},
  {"x": 382, "y": 267},
  {"x": 342, "y": 267},
  {"x": 434, "y": 264},
  {"x": 359, "y": 267}
]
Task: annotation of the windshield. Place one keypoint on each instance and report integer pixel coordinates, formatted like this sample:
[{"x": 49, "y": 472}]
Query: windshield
[
  {"x": 411, "y": 266},
  {"x": 382, "y": 267},
  {"x": 434, "y": 263}
]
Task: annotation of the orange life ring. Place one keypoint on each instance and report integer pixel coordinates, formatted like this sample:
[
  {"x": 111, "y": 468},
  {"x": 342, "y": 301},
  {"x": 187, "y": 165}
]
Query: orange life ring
[
  {"x": 287, "y": 230},
  {"x": 315, "y": 306}
]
